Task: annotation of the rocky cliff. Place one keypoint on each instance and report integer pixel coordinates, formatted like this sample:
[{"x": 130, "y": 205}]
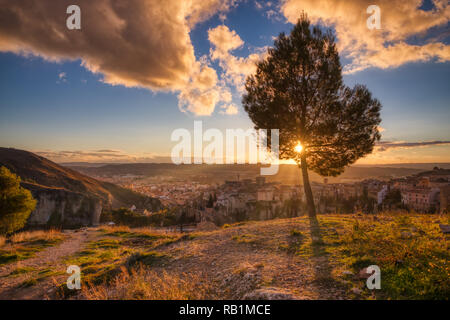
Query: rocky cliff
[
  {"x": 63, "y": 208},
  {"x": 67, "y": 198}
]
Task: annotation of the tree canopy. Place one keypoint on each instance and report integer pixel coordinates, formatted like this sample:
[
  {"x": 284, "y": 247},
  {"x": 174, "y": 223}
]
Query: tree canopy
[
  {"x": 16, "y": 203},
  {"x": 298, "y": 89}
]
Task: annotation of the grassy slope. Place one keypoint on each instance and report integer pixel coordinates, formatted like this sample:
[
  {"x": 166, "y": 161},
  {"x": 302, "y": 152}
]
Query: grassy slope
[
  {"x": 25, "y": 245},
  {"x": 231, "y": 262}
]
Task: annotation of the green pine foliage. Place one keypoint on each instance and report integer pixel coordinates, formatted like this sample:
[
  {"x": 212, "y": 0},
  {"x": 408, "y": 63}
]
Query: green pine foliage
[
  {"x": 298, "y": 89},
  {"x": 16, "y": 203}
]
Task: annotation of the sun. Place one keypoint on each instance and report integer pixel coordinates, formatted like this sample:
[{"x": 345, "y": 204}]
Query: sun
[{"x": 298, "y": 148}]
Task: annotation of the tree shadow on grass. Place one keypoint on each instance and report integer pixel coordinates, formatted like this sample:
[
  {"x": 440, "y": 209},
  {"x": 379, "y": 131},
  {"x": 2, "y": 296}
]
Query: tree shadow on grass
[{"x": 327, "y": 286}]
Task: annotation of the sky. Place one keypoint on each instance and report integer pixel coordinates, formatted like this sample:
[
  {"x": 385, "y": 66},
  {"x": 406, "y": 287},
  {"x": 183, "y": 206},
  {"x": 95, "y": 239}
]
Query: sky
[{"x": 137, "y": 70}]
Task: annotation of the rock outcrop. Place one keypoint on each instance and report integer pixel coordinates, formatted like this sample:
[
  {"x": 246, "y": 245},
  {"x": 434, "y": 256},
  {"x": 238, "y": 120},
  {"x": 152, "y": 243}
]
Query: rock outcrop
[
  {"x": 63, "y": 208},
  {"x": 67, "y": 198}
]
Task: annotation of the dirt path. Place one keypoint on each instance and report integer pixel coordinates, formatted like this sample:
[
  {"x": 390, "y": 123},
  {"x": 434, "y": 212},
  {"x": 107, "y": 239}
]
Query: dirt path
[
  {"x": 257, "y": 260},
  {"x": 52, "y": 257}
]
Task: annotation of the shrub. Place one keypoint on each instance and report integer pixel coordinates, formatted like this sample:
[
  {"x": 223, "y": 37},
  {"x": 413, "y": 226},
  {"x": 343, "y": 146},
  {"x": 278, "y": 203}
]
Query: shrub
[
  {"x": 126, "y": 217},
  {"x": 16, "y": 203}
]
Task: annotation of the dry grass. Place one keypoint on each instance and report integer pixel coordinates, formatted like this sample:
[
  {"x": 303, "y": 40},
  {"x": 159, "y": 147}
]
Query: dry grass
[
  {"x": 148, "y": 263},
  {"x": 44, "y": 235},
  {"x": 143, "y": 231},
  {"x": 146, "y": 284},
  {"x": 24, "y": 245},
  {"x": 150, "y": 230},
  {"x": 246, "y": 265},
  {"x": 109, "y": 229},
  {"x": 2, "y": 241},
  {"x": 409, "y": 248}
]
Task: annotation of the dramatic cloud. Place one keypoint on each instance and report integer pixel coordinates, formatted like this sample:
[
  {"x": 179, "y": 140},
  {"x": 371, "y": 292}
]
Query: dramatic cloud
[
  {"x": 201, "y": 10},
  {"x": 230, "y": 109},
  {"x": 385, "y": 145},
  {"x": 235, "y": 69},
  {"x": 385, "y": 48},
  {"x": 205, "y": 90},
  {"x": 201, "y": 94},
  {"x": 134, "y": 43}
]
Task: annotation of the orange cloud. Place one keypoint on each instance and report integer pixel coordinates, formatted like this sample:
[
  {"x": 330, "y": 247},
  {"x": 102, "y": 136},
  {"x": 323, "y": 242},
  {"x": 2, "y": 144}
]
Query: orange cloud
[
  {"x": 385, "y": 48},
  {"x": 230, "y": 109},
  {"x": 235, "y": 69},
  {"x": 134, "y": 43},
  {"x": 385, "y": 145}
]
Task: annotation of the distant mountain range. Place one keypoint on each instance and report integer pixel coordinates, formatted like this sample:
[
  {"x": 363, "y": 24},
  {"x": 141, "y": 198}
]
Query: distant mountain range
[
  {"x": 67, "y": 197},
  {"x": 424, "y": 166},
  {"x": 288, "y": 174}
]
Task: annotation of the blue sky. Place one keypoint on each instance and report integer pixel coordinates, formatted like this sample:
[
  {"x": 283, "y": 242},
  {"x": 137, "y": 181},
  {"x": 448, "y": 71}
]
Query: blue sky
[{"x": 62, "y": 106}]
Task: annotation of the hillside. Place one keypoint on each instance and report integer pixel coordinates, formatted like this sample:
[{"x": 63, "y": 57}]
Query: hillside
[
  {"x": 55, "y": 183},
  {"x": 275, "y": 259}
]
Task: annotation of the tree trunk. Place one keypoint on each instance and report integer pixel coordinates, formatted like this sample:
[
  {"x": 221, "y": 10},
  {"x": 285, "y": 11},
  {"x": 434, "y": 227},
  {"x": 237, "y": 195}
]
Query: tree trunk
[{"x": 307, "y": 187}]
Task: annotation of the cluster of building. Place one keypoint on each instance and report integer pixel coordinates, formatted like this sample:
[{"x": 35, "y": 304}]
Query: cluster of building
[
  {"x": 425, "y": 192},
  {"x": 227, "y": 202},
  {"x": 175, "y": 193},
  {"x": 346, "y": 197},
  {"x": 243, "y": 199},
  {"x": 257, "y": 198}
]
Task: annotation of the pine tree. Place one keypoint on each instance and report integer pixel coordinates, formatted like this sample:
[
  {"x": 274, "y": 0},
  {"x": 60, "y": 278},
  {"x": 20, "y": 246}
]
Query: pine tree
[
  {"x": 298, "y": 89},
  {"x": 16, "y": 203}
]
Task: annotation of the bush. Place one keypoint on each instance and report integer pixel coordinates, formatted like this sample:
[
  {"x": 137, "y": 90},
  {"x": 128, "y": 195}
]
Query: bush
[
  {"x": 16, "y": 203},
  {"x": 126, "y": 217}
]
